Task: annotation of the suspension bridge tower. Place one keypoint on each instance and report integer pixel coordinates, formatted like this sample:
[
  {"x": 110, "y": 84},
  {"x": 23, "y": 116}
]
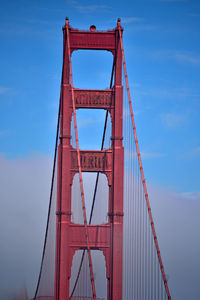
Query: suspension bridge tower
[
  {"x": 127, "y": 240},
  {"x": 108, "y": 237}
]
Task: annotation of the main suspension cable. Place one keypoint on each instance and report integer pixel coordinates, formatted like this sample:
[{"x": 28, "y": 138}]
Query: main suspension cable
[{"x": 50, "y": 200}]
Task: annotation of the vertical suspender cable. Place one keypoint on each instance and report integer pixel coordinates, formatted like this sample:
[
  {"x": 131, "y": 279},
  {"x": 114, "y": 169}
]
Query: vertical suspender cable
[
  {"x": 143, "y": 247},
  {"x": 135, "y": 222},
  {"x": 142, "y": 174},
  {"x": 131, "y": 216},
  {"x": 129, "y": 203}
]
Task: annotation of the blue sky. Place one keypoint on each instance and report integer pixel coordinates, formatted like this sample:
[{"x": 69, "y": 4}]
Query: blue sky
[
  {"x": 161, "y": 40},
  {"x": 162, "y": 50}
]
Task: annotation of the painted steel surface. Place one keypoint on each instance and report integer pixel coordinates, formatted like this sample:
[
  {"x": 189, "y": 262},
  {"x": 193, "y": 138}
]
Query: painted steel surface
[{"x": 107, "y": 238}]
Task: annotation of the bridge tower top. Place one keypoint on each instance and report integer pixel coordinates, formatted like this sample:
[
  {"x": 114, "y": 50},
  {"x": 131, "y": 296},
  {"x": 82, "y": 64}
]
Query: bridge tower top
[{"x": 92, "y": 40}]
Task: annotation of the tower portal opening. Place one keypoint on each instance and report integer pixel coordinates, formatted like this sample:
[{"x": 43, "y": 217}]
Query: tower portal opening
[
  {"x": 91, "y": 69},
  {"x": 100, "y": 211}
]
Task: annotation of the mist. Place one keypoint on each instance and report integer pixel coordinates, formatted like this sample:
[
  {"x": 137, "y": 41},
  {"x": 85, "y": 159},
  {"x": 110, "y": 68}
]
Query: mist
[{"x": 24, "y": 193}]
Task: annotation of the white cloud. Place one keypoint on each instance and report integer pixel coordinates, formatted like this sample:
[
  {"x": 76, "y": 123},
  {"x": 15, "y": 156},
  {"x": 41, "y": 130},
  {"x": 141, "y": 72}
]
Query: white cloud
[
  {"x": 173, "y": 120},
  {"x": 3, "y": 90},
  {"x": 190, "y": 195},
  {"x": 191, "y": 154},
  {"x": 3, "y": 132},
  {"x": 193, "y": 15},
  {"x": 88, "y": 8},
  {"x": 178, "y": 93},
  {"x": 186, "y": 92},
  {"x": 24, "y": 189},
  {"x": 128, "y": 20},
  {"x": 42, "y": 21},
  {"x": 179, "y": 56},
  {"x": 187, "y": 58},
  {"x": 177, "y": 223},
  {"x": 148, "y": 155},
  {"x": 144, "y": 27},
  {"x": 24, "y": 194},
  {"x": 135, "y": 85},
  {"x": 172, "y": 0},
  {"x": 195, "y": 151}
]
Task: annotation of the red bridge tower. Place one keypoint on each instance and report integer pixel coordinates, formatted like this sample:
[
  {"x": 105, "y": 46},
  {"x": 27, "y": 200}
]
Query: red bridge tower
[{"x": 70, "y": 237}]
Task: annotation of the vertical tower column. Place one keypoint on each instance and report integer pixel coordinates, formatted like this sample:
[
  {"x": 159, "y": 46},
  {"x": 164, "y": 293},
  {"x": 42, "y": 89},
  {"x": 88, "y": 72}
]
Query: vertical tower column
[
  {"x": 118, "y": 179},
  {"x": 63, "y": 263}
]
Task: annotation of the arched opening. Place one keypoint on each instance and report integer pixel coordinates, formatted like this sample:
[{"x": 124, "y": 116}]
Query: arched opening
[
  {"x": 80, "y": 283},
  {"x": 101, "y": 198}
]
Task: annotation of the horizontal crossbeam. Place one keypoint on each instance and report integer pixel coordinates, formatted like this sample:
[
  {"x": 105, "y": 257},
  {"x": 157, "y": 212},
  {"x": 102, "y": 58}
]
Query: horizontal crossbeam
[
  {"x": 95, "y": 40},
  {"x": 98, "y": 236},
  {"x": 103, "y": 99},
  {"x": 92, "y": 161}
]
